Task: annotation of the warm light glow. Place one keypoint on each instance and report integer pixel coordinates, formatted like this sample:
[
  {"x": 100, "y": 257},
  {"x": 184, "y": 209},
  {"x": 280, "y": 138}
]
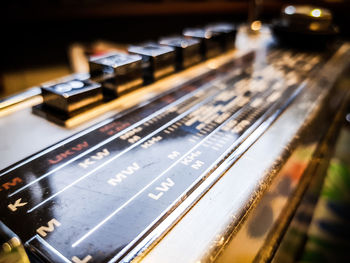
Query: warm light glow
[
  {"x": 207, "y": 34},
  {"x": 314, "y": 26},
  {"x": 316, "y": 12},
  {"x": 212, "y": 65},
  {"x": 256, "y": 25},
  {"x": 289, "y": 10}
]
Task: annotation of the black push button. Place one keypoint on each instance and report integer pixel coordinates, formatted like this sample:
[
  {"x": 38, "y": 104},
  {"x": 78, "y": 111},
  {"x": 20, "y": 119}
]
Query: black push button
[
  {"x": 72, "y": 94},
  {"x": 117, "y": 72},
  {"x": 157, "y": 61},
  {"x": 187, "y": 50},
  {"x": 210, "y": 41},
  {"x": 227, "y": 34}
]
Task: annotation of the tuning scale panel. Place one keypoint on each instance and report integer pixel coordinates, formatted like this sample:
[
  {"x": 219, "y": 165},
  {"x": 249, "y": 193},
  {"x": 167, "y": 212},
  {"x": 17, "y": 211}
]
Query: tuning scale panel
[{"x": 99, "y": 194}]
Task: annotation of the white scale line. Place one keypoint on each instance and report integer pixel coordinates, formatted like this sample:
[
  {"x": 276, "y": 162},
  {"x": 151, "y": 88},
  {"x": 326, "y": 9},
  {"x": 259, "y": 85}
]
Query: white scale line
[
  {"x": 105, "y": 141},
  {"x": 125, "y": 150},
  {"x": 144, "y": 188},
  {"x": 54, "y": 250}
]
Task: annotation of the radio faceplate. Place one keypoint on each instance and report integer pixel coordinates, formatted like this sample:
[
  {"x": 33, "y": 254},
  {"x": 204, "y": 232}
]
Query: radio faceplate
[{"x": 111, "y": 191}]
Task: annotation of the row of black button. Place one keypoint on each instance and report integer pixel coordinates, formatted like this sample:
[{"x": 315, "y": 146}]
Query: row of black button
[{"x": 116, "y": 73}]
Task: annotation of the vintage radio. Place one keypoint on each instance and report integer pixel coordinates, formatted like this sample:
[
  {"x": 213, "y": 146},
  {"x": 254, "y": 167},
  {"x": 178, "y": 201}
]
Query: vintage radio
[{"x": 167, "y": 152}]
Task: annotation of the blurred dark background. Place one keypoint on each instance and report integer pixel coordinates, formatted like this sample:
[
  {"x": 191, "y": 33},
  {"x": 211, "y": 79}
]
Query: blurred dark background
[{"x": 38, "y": 34}]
